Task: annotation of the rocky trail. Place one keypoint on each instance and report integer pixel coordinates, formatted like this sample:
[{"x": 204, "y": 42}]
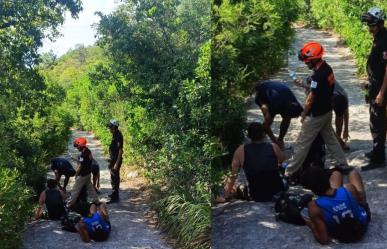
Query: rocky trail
[
  {"x": 242, "y": 224},
  {"x": 129, "y": 226}
]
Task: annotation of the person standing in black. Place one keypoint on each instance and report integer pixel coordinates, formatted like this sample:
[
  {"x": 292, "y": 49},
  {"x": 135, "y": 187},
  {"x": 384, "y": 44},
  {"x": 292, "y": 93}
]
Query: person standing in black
[
  {"x": 377, "y": 76},
  {"x": 115, "y": 152}
]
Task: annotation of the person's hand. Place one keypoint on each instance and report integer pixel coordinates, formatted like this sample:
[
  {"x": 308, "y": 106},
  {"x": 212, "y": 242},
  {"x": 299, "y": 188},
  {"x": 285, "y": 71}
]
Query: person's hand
[
  {"x": 303, "y": 115},
  {"x": 115, "y": 167},
  {"x": 298, "y": 81},
  {"x": 220, "y": 199},
  {"x": 379, "y": 99},
  {"x": 345, "y": 135},
  {"x": 281, "y": 144}
]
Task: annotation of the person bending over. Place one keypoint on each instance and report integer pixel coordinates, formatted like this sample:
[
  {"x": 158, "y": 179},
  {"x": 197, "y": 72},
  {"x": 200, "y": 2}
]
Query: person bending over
[
  {"x": 339, "y": 212},
  {"x": 61, "y": 166}
]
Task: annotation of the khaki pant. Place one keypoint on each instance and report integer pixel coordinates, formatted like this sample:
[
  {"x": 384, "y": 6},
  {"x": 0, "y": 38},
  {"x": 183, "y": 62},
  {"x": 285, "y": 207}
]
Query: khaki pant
[
  {"x": 79, "y": 183},
  {"x": 309, "y": 130}
]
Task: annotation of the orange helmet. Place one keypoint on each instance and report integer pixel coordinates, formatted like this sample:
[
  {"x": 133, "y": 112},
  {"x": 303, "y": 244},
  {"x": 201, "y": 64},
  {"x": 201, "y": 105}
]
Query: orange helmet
[
  {"x": 311, "y": 51},
  {"x": 80, "y": 142}
]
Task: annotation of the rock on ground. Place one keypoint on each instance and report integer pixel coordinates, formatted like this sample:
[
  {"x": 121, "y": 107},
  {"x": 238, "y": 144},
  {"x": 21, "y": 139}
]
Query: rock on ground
[
  {"x": 129, "y": 228},
  {"x": 252, "y": 225}
]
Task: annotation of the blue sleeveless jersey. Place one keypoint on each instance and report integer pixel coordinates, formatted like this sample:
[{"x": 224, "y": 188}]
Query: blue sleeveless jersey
[
  {"x": 340, "y": 206},
  {"x": 94, "y": 222}
]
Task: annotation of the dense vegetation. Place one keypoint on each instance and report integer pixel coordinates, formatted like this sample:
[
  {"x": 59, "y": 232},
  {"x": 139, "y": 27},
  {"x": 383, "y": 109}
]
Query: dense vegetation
[
  {"x": 344, "y": 18},
  {"x": 250, "y": 42},
  {"x": 32, "y": 127}
]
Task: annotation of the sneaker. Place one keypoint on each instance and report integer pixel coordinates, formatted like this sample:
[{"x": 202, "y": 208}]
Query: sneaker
[
  {"x": 344, "y": 168},
  {"x": 373, "y": 165}
]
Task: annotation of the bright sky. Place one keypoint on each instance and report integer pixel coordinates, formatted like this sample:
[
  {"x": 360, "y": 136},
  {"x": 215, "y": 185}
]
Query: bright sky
[{"x": 79, "y": 31}]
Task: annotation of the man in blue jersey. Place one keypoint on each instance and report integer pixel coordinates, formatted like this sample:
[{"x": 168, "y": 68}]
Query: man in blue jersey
[
  {"x": 96, "y": 226},
  {"x": 339, "y": 212}
]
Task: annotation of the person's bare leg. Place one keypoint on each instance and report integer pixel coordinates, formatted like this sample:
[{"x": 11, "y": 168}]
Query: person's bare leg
[
  {"x": 103, "y": 210},
  {"x": 66, "y": 181},
  {"x": 93, "y": 208},
  {"x": 336, "y": 179},
  {"x": 355, "y": 179}
]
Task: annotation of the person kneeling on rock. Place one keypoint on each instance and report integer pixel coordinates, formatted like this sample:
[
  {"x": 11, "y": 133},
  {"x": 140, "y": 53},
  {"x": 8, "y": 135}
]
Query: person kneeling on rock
[
  {"x": 339, "y": 212},
  {"x": 260, "y": 160},
  {"x": 96, "y": 226}
]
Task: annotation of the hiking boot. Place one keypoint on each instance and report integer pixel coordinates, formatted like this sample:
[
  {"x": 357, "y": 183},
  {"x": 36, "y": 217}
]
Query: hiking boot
[
  {"x": 113, "y": 200},
  {"x": 368, "y": 154},
  {"x": 373, "y": 165}
]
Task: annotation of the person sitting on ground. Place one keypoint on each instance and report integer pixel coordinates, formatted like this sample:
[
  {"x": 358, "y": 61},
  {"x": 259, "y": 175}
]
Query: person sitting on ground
[
  {"x": 276, "y": 98},
  {"x": 260, "y": 160},
  {"x": 340, "y": 107},
  {"x": 338, "y": 212},
  {"x": 96, "y": 175},
  {"x": 53, "y": 199},
  {"x": 96, "y": 226},
  {"x": 61, "y": 166}
]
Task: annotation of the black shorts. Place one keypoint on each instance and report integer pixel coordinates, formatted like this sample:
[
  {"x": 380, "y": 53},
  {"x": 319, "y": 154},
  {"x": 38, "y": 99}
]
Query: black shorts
[
  {"x": 340, "y": 104},
  {"x": 94, "y": 169}
]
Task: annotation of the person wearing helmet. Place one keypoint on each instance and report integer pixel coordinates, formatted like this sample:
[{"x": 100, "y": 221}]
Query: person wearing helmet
[
  {"x": 115, "y": 152},
  {"x": 377, "y": 77},
  {"x": 276, "y": 98},
  {"x": 340, "y": 107},
  {"x": 317, "y": 115},
  {"x": 83, "y": 173}
]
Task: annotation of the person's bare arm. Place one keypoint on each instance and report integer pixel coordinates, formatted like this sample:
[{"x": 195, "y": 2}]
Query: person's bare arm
[
  {"x": 380, "y": 97},
  {"x": 268, "y": 120},
  {"x": 119, "y": 159},
  {"x": 62, "y": 193},
  {"x": 83, "y": 232},
  {"x": 317, "y": 224},
  {"x": 307, "y": 105},
  {"x": 78, "y": 169},
  {"x": 278, "y": 152},
  {"x": 42, "y": 200},
  {"x": 237, "y": 163},
  {"x": 346, "y": 124}
]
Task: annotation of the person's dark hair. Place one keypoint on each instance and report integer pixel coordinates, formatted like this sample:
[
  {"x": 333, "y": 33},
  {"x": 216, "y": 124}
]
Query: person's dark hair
[
  {"x": 255, "y": 131},
  {"x": 51, "y": 183},
  {"x": 316, "y": 179},
  {"x": 99, "y": 235},
  {"x": 348, "y": 231}
]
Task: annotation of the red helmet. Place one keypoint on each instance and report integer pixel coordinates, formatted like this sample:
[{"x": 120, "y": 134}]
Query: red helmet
[
  {"x": 311, "y": 51},
  {"x": 80, "y": 142}
]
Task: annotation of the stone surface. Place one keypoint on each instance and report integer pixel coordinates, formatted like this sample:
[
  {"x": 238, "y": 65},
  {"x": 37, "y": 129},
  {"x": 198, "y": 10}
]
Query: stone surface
[{"x": 129, "y": 228}]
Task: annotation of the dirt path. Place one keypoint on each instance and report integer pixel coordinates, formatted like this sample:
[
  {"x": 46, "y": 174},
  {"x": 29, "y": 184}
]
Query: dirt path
[
  {"x": 129, "y": 227},
  {"x": 252, "y": 225}
]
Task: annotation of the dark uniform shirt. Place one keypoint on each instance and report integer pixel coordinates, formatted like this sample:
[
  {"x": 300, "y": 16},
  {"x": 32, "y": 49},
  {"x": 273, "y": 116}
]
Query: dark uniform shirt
[
  {"x": 322, "y": 85},
  {"x": 116, "y": 144},
  {"x": 377, "y": 62},
  {"x": 85, "y": 159},
  {"x": 276, "y": 95},
  {"x": 61, "y": 165}
]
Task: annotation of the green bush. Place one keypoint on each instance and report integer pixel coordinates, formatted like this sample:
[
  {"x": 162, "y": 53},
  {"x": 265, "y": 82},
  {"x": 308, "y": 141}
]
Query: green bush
[
  {"x": 15, "y": 207},
  {"x": 344, "y": 18}
]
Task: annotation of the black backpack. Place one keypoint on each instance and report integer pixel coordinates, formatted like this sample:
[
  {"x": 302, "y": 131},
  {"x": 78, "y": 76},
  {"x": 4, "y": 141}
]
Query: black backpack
[{"x": 288, "y": 207}]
